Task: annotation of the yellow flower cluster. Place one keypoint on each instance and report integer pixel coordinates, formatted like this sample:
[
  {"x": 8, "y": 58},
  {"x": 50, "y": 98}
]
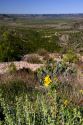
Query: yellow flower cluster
[
  {"x": 47, "y": 80},
  {"x": 81, "y": 91},
  {"x": 66, "y": 102}
]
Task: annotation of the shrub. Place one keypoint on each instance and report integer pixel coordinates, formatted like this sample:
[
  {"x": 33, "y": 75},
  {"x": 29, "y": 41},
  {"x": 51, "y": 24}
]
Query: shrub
[
  {"x": 42, "y": 109},
  {"x": 32, "y": 58},
  {"x": 11, "y": 46},
  {"x": 70, "y": 57},
  {"x": 12, "y": 68},
  {"x": 42, "y": 52}
]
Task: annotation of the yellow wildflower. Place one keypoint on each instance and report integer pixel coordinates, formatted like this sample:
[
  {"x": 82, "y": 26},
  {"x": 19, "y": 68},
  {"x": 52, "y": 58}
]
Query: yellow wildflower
[
  {"x": 66, "y": 103},
  {"x": 81, "y": 91},
  {"x": 47, "y": 80}
]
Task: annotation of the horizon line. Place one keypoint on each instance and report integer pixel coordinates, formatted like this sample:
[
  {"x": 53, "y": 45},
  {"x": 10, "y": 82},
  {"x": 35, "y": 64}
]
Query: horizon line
[{"x": 40, "y": 13}]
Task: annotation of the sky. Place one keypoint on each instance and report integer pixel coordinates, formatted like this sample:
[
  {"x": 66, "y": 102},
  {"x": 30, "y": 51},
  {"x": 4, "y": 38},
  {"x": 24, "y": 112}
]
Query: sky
[{"x": 41, "y": 6}]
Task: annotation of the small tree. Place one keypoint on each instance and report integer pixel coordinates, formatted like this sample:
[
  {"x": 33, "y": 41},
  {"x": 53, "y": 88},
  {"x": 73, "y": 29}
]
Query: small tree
[{"x": 12, "y": 46}]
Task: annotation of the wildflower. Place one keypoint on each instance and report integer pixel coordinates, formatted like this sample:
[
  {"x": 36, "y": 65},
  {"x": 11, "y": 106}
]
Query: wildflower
[
  {"x": 66, "y": 103},
  {"x": 47, "y": 80},
  {"x": 81, "y": 91}
]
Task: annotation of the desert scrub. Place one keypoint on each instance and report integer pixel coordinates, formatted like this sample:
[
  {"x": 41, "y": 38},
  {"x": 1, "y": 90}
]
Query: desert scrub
[
  {"x": 24, "y": 111},
  {"x": 10, "y": 89},
  {"x": 42, "y": 52},
  {"x": 22, "y": 106},
  {"x": 57, "y": 71},
  {"x": 71, "y": 57},
  {"x": 32, "y": 58},
  {"x": 63, "y": 77},
  {"x": 12, "y": 68},
  {"x": 41, "y": 110}
]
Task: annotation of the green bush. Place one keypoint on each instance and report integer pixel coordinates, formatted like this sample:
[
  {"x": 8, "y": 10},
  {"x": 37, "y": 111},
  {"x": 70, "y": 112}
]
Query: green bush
[
  {"x": 12, "y": 46},
  {"x": 70, "y": 57},
  {"x": 15, "y": 43},
  {"x": 42, "y": 52},
  {"x": 12, "y": 68}
]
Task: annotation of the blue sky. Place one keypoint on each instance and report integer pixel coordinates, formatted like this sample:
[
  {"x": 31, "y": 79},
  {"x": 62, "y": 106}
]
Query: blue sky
[{"x": 41, "y": 6}]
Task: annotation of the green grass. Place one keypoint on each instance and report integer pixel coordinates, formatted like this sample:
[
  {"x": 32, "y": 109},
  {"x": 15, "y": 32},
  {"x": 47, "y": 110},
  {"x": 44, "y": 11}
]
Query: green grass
[{"x": 39, "y": 109}]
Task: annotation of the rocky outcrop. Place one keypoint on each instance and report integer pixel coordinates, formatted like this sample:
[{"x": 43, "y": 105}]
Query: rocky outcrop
[{"x": 4, "y": 67}]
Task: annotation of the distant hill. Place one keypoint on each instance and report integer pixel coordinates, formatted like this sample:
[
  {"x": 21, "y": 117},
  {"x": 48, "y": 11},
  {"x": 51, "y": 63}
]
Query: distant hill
[{"x": 42, "y": 16}]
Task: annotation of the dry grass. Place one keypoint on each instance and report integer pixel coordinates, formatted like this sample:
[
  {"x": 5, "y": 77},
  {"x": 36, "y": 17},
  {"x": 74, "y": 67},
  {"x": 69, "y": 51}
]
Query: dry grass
[
  {"x": 23, "y": 75},
  {"x": 42, "y": 52},
  {"x": 33, "y": 58}
]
